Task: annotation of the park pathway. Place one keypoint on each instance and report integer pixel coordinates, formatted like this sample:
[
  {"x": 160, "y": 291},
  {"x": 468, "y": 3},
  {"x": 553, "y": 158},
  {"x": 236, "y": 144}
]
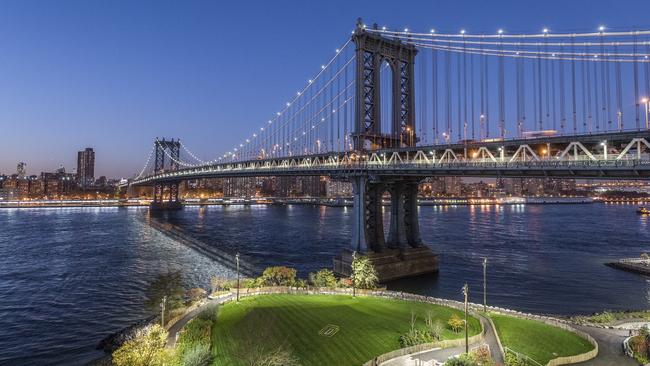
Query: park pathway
[
  {"x": 438, "y": 356},
  {"x": 610, "y": 346},
  {"x": 180, "y": 323}
]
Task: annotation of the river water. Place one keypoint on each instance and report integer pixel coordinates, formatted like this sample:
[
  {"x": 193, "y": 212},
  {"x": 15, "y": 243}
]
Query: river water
[{"x": 70, "y": 276}]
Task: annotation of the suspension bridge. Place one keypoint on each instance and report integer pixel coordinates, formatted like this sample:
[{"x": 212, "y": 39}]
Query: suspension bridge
[{"x": 391, "y": 107}]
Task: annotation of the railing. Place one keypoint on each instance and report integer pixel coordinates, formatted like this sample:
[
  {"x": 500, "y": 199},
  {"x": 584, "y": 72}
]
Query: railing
[{"x": 522, "y": 356}]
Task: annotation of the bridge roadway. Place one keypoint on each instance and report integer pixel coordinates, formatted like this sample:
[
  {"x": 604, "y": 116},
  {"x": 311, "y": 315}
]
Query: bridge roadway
[{"x": 618, "y": 155}]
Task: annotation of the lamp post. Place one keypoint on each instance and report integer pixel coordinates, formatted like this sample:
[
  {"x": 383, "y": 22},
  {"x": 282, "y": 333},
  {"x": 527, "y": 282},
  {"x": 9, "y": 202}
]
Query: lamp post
[
  {"x": 237, "y": 260},
  {"x": 484, "y": 285},
  {"x": 163, "y": 302},
  {"x": 354, "y": 257},
  {"x": 466, "y": 293}
]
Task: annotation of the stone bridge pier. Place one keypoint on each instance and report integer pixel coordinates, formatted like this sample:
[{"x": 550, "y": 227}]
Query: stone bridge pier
[
  {"x": 165, "y": 196},
  {"x": 399, "y": 254}
]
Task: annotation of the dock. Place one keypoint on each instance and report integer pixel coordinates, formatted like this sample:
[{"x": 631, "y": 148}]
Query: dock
[{"x": 635, "y": 265}]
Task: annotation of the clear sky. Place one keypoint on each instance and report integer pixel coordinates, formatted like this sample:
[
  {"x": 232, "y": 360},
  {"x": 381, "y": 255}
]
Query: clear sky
[{"x": 115, "y": 74}]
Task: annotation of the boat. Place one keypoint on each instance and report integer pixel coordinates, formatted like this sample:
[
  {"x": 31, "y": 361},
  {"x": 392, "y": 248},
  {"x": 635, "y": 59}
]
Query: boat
[{"x": 643, "y": 211}]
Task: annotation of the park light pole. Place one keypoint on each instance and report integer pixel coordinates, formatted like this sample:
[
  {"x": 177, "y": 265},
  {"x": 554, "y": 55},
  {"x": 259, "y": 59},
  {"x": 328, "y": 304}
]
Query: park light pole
[
  {"x": 354, "y": 257},
  {"x": 237, "y": 260},
  {"x": 466, "y": 293},
  {"x": 485, "y": 284},
  {"x": 163, "y": 302}
]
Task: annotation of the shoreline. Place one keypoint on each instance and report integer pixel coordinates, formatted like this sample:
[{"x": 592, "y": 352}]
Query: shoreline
[{"x": 340, "y": 202}]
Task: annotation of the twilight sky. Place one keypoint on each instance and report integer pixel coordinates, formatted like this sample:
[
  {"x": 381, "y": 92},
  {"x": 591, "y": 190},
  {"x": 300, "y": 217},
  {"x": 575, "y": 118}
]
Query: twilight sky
[{"x": 113, "y": 75}]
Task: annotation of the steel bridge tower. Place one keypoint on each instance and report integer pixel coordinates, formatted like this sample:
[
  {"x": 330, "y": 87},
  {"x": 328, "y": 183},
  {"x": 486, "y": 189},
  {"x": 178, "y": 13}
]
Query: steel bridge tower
[
  {"x": 402, "y": 252},
  {"x": 165, "y": 194}
]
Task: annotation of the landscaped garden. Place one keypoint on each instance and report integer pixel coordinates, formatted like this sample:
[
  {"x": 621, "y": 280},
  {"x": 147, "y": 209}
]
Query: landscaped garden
[
  {"x": 323, "y": 329},
  {"x": 536, "y": 340}
]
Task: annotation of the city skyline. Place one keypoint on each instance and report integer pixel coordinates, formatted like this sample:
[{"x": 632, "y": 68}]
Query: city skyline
[{"x": 125, "y": 80}]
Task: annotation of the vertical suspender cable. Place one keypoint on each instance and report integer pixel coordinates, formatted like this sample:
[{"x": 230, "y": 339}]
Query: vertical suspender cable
[
  {"x": 423, "y": 99},
  {"x": 583, "y": 92},
  {"x": 573, "y": 87},
  {"x": 434, "y": 92},
  {"x": 553, "y": 98},
  {"x": 536, "y": 117},
  {"x": 481, "y": 120},
  {"x": 502, "y": 109},
  {"x": 635, "y": 67},
  {"x": 546, "y": 84},
  {"x": 539, "y": 88},
  {"x": 448, "y": 94},
  {"x": 458, "y": 95},
  {"x": 619, "y": 91},
  {"x": 562, "y": 96},
  {"x": 588, "y": 92},
  {"x": 464, "y": 90},
  {"x": 597, "y": 113},
  {"x": 471, "y": 88},
  {"x": 604, "y": 85}
]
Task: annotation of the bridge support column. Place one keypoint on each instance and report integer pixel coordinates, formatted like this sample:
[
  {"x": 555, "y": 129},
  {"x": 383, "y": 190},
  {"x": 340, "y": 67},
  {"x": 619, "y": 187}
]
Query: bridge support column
[
  {"x": 403, "y": 254},
  {"x": 165, "y": 196}
]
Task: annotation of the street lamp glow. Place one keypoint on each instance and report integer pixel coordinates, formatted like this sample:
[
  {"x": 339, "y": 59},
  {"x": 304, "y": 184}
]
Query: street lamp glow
[
  {"x": 601, "y": 28},
  {"x": 545, "y": 30},
  {"x": 462, "y": 31},
  {"x": 500, "y": 31}
]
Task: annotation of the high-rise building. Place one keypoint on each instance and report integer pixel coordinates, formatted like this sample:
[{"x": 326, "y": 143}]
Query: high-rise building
[{"x": 86, "y": 167}]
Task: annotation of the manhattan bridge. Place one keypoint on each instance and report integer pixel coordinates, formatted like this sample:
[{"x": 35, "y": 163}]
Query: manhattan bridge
[{"x": 391, "y": 107}]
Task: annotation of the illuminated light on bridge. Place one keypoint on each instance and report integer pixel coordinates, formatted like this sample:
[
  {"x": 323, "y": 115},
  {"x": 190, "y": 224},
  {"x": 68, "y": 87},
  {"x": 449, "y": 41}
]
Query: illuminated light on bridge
[{"x": 494, "y": 105}]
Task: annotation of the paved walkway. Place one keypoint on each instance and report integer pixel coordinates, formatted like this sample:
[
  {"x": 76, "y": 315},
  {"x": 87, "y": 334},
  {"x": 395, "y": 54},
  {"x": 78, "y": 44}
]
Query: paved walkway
[
  {"x": 180, "y": 323},
  {"x": 610, "y": 347},
  {"x": 438, "y": 356}
]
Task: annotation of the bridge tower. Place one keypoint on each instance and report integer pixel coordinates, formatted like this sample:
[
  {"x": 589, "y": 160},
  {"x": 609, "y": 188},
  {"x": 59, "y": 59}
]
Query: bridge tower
[
  {"x": 401, "y": 253},
  {"x": 165, "y": 193}
]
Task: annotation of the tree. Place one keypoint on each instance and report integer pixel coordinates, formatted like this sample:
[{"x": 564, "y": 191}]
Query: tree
[
  {"x": 147, "y": 348},
  {"x": 435, "y": 326},
  {"x": 323, "y": 278},
  {"x": 217, "y": 283},
  {"x": 195, "y": 294},
  {"x": 456, "y": 323},
  {"x": 278, "y": 276},
  {"x": 364, "y": 274},
  {"x": 462, "y": 360},
  {"x": 167, "y": 285}
]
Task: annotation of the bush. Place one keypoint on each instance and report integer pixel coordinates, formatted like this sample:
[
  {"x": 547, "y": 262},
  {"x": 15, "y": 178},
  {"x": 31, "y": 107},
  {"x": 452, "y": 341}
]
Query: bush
[
  {"x": 514, "y": 360},
  {"x": 364, "y": 274},
  {"x": 323, "y": 278},
  {"x": 278, "y": 276},
  {"x": 147, "y": 348},
  {"x": 414, "y": 337},
  {"x": 462, "y": 360},
  {"x": 456, "y": 323},
  {"x": 195, "y": 294},
  {"x": 196, "y": 334},
  {"x": 198, "y": 355}
]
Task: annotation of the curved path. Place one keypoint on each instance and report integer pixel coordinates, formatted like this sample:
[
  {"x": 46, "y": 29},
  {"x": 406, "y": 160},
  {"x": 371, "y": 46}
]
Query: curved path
[
  {"x": 438, "y": 356},
  {"x": 610, "y": 346},
  {"x": 180, "y": 323}
]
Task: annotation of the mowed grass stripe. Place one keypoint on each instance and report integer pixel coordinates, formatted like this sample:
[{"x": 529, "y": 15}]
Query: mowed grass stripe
[
  {"x": 368, "y": 326},
  {"x": 537, "y": 340}
]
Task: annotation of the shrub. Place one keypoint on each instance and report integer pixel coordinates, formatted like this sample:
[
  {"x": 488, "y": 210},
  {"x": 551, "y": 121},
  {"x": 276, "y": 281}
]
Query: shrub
[
  {"x": 197, "y": 355},
  {"x": 364, "y": 274},
  {"x": 278, "y": 276},
  {"x": 435, "y": 327},
  {"x": 414, "y": 337},
  {"x": 323, "y": 278},
  {"x": 217, "y": 283},
  {"x": 456, "y": 323},
  {"x": 462, "y": 360},
  {"x": 195, "y": 294},
  {"x": 147, "y": 348}
]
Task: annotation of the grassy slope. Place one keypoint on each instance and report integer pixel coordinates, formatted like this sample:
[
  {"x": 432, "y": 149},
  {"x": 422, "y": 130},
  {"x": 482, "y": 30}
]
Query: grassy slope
[
  {"x": 537, "y": 340},
  {"x": 368, "y": 326}
]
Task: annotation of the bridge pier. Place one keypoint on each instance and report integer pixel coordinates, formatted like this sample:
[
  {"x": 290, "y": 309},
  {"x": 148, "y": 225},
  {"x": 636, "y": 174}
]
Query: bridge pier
[
  {"x": 165, "y": 197},
  {"x": 403, "y": 253}
]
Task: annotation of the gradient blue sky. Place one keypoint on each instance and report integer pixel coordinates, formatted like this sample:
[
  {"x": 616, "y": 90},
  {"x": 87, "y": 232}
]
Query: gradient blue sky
[{"x": 113, "y": 75}]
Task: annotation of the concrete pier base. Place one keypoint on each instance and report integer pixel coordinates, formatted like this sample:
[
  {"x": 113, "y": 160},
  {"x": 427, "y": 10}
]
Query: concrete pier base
[
  {"x": 392, "y": 264},
  {"x": 165, "y": 206}
]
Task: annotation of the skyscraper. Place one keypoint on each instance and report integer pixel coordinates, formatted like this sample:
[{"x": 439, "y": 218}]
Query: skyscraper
[{"x": 86, "y": 167}]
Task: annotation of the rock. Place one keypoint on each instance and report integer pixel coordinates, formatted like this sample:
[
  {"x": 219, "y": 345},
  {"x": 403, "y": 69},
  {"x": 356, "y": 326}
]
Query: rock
[{"x": 117, "y": 339}]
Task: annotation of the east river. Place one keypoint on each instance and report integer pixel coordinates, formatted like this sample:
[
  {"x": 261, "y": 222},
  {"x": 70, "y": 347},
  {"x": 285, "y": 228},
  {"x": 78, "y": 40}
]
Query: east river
[{"x": 70, "y": 276}]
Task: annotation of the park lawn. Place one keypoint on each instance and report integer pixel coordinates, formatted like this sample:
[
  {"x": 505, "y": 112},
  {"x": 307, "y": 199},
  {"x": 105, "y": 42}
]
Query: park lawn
[
  {"x": 367, "y": 327},
  {"x": 537, "y": 340}
]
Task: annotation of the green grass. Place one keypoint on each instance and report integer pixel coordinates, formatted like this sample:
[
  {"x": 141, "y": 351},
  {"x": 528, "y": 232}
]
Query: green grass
[
  {"x": 537, "y": 340},
  {"x": 368, "y": 327}
]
